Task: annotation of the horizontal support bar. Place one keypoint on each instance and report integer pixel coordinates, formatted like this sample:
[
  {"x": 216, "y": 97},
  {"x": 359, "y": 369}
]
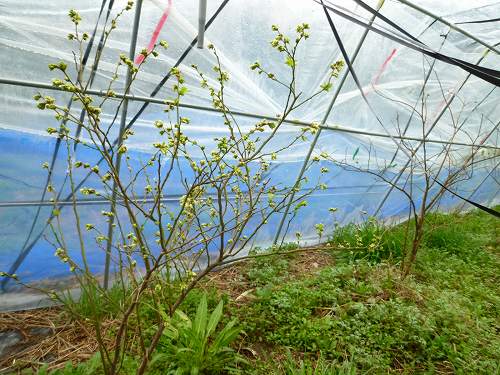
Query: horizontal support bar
[
  {"x": 79, "y": 202},
  {"x": 171, "y": 198},
  {"x": 336, "y": 128}
]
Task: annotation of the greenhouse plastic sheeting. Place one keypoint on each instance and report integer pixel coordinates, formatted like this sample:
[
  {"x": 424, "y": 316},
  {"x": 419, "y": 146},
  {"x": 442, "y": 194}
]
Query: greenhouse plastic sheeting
[{"x": 391, "y": 76}]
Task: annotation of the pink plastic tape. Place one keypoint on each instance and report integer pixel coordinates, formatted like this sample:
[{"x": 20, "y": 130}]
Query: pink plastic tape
[{"x": 140, "y": 58}]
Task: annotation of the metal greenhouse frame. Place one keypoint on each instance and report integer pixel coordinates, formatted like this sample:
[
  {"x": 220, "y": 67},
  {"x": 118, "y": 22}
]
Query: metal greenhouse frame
[{"x": 374, "y": 22}]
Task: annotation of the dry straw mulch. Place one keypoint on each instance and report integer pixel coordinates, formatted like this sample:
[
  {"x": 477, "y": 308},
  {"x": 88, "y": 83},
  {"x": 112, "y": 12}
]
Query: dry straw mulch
[{"x": 48, "y": 337}]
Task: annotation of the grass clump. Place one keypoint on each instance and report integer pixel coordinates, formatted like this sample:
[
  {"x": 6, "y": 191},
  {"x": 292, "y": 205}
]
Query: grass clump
[
  {"x": 96, "y": 302},
  {"x": 370, "y": 241}
]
